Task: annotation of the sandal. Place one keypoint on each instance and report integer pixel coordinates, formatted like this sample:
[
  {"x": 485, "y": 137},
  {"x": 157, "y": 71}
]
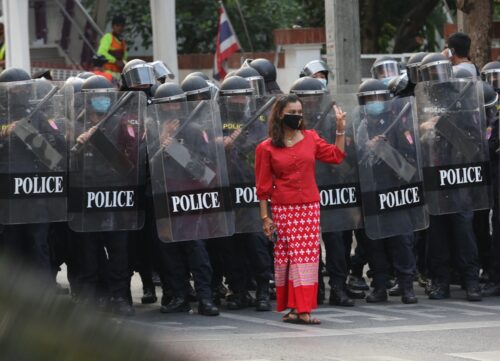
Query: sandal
[
  {"x": 290, "y": 317},
  {"x": 305, "y": 321}
]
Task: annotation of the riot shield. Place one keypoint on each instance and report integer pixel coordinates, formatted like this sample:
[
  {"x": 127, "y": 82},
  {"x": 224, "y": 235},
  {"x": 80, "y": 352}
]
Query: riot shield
[
  {"x": 455, "y": 155},
  {"x": 244, "y": 126},
  {"x": 338, "y": 183},
  {"x": 188, "y": 172},
  {"x": 107, "y": 170},
  {"x": 33, "y": 164},
  {"x": 390, "y": 177}
]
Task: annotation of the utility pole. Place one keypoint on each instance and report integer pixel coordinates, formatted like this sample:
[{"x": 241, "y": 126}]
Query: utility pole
[{"x": 343, "y": 46}]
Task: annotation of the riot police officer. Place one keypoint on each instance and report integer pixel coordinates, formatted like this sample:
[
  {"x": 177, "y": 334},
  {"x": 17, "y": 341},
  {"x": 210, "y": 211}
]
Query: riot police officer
[
  {"x": 317, "y": 69},
  {"x": 245, "y": 254},
  {"x": 449, "y": 235},
  {"x": 28, "y": 242},
  {"x": 178, "y": 260},
  {"x": 490, "y": 73},
  {"x": 373, "y": 96},
  {"x": 90, "y": 163}
]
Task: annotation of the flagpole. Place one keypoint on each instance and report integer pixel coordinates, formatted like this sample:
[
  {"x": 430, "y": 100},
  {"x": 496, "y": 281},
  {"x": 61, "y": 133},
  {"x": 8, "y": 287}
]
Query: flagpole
[{"x": 244, "y": 25}]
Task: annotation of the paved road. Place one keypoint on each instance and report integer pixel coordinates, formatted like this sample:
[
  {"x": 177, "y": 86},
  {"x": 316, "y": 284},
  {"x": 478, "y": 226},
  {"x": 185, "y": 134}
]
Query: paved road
[{"x": 446, "y": 330}]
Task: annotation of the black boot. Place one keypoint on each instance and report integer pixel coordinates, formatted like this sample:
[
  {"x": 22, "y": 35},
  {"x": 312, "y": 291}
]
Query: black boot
[
  {"x": 148, "y": 288},
  {"x": 338, "y": 297},
  {"x": 122, "y": 307},
  {"x": 262, "y": 302},
  {"x": 439, "y": 291},
  {"x": 377, "y": 295},
  {"x": 207, "y": 308},
  {"x": 237, "y": 301},
  {"x": 178, "y": 304},
  {"x": 357, "y": 283},
  {"x": 354, "y": 294},
  {"x": 473, "y": 292},
  {"x": 396, "y": 290},
  {"x": 491, "y": 289},
  {"x": 407, "y": 293}
]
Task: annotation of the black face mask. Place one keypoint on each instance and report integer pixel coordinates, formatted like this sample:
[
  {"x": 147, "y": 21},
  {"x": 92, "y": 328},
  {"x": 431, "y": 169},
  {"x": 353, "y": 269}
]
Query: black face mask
[{"x": 292, "y": 120}]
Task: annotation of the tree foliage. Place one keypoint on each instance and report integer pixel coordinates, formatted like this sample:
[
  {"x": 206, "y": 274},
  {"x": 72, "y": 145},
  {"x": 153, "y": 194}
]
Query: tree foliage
[{"x": 385, "y": 24}]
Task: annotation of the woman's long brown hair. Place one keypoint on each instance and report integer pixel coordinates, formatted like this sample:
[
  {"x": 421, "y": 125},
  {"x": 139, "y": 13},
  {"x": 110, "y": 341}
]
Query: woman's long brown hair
[{"x": 276, "y": 131}]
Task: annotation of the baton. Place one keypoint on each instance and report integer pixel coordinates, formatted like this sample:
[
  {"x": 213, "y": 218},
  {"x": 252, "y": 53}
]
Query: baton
[
  {"x": 124, "y": 99},
  {"x": 42, "y": 102},
  {"x": 389, "y": 128},
  {"x": 325, "y": 112},
  {"x": 256, "y": 116}
]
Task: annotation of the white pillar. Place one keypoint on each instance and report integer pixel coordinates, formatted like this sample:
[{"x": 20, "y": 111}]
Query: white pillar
[
  {"x": 164, "y": 35},
  {"x": 17, "y": 47}
]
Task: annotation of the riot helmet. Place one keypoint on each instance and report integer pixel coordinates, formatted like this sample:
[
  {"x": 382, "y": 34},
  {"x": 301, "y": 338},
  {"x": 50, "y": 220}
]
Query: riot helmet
[
  {"x": 385, "y": 67},
  {"x": 98, "y": 89},
  {"x": 490, "y": 100},
  {"x": 412, "y": 67},
  {"x": 314, "y": 68},
  {"x": 268, "y": 71},
  {"x": 265, "y": 68},
  {"x": 168, "y": 93},
  {"x": 372, "y": 94},
  {"x": 172, "y": 102},
  {"x": 236, "y": 96},
  {"x": 162, "y": 71},
  {"x": 312, "y": 93},
  {"x": 14, "y": 74},
  {"x": 490, "y": 73},
  {"x": 196, "y": 88},
  {"x": 461, "y": 73},
  {"x": 255, "y": 79},
  {"x": 307, "y": 85},
  {"x": 74, "y": 82},
  {"x": 85, "y": 75},
  {"x": 435, "y": 66},
  {"x": 398, "y": 84},
  {"x": 19, "y": 94},
  {"x": 137, "y": 74},
  {"x": 200, "y": 74},
  {"x": 214, "y": 89}
]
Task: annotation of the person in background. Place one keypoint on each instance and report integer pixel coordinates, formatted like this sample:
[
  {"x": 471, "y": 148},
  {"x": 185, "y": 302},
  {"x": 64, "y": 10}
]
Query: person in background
[{"x": 113, "y": 47}]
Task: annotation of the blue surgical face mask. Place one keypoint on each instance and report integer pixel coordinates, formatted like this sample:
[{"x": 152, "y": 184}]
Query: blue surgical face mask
[
  {"x": 101, "y": 104},
  {"x": 375, "y": 108},
  {"x": 323, "y": 81},
  {"x": 387, "y": 80}
]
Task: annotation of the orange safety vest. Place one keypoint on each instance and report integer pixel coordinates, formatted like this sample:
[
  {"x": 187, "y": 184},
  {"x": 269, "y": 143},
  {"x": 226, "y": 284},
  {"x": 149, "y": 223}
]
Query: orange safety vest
[
  {"x": 104, "y": 74},
  {"x": 117, "y": 49}
]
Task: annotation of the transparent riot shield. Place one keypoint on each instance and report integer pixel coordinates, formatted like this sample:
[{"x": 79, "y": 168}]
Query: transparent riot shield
[
  {"x": 33, "y": 165},
  {"x": 455, "y": 155},
  {"x": 338, "y": 183},
  {"x": 390, "y": 177},
  {"x": 107, "y": 170},
  {"x": 244, "y": 126},
  {"x": 188, "y": 171}
]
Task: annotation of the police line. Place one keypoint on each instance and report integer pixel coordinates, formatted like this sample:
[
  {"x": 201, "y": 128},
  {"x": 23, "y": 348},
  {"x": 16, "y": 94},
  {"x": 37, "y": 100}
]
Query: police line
[{"x": 102, "y": 184}]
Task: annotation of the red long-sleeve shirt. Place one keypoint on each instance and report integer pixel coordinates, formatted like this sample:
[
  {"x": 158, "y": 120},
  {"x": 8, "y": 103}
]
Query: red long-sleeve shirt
[{"x": 287, "y": 175}]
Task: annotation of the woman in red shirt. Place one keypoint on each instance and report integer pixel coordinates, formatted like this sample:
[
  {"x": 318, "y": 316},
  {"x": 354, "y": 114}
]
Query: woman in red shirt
[{"x": 285, "y": 175}]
